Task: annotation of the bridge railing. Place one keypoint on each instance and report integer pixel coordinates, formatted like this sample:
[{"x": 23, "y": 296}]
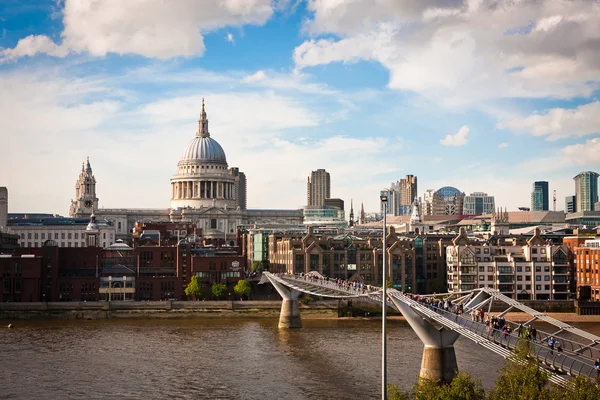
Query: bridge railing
[
  {"x": 351, "y": 289},
  {"x": 570, "y": 364}
]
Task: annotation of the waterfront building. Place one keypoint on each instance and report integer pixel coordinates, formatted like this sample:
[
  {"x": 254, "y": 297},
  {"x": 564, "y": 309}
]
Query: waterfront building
[
  {"x": 539, "y": 196},
  {"x": 586, "y": 259},
  {"x": 345, "y": 256},
  {"x": 318, "y": 188},
  {"x": 204, "y": 192},
  {"x": 116, "y": 272},
  {"x": 478, "y": 203},
  {"x": 570, "y": 204},
  {"x": 523, "y": 269},
  {"x": 3, "y": 208},
  {"x": 586, "y": 190}
]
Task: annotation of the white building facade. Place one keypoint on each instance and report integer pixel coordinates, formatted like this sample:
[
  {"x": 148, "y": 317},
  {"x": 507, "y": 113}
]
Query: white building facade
[{"x": 530, "y": 270}]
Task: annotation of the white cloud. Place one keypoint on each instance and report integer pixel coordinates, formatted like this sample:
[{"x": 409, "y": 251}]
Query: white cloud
[
  {"x": 145, "y": 27},
  {"x": 255, "y": 77},
  {"x": 230, "y": 38},
  {"x": 558, "y": 123},
  {"x": 503, "y": 145},
  {"x": 58, "y": 121},
  {"x": 583, "y": 153},
  {"x": 458, "y": 139},
  {"x": 503, "y": 49}
]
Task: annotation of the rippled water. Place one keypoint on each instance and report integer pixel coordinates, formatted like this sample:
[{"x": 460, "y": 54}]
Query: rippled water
[{"x": 213, "y": 359}]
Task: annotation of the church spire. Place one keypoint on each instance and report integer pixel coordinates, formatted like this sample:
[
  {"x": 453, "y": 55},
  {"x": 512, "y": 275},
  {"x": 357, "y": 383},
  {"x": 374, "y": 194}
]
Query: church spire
[
  {"x": 203, "y": 123},
  {"x": 351, "y": 218},
  {"x": 362, "y": 213},
  {"x": 88, "y": 167}
]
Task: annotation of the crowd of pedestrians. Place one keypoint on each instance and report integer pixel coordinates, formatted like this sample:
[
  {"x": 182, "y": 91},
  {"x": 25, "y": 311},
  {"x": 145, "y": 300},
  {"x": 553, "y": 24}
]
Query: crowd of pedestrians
[{"x": 495, "y": 324}]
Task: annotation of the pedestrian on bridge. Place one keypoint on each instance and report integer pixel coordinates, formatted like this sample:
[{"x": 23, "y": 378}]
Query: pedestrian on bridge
[
  {"x": 597, "y": 366},
  {"x": 551, "y": 343}
]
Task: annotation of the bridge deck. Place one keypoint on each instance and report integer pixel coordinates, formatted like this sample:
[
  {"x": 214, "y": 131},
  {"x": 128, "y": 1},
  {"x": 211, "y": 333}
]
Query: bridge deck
[{"x": 560, "y": 365}]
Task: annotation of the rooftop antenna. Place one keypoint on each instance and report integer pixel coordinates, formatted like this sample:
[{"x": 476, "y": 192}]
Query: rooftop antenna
[{"x": 554, "y": 199}]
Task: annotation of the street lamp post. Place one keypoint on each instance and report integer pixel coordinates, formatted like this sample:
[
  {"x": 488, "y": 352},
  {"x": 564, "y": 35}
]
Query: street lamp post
[{"x": 384, "y": 199}]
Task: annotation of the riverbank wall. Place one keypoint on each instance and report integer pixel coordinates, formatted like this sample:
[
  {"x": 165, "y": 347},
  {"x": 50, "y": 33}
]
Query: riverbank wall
[{"x": 163, "y": 309}]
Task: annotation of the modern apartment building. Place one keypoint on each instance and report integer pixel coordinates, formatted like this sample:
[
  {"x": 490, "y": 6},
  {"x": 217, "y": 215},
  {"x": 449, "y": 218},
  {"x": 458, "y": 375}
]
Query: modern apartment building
[
  {"x": 586, "y": 190},
  {"x": 539, "y": 196},
  {"x": 532, "y": 269},
  {"x": 318, "y": 188}
]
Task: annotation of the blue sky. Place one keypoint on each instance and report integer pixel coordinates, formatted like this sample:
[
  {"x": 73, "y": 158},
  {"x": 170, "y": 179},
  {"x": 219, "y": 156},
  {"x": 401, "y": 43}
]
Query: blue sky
[{"x": 462, "y": 93}]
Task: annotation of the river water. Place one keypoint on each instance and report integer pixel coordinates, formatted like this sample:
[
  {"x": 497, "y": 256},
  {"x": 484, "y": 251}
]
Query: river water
[{"x": 214, "y": 359}]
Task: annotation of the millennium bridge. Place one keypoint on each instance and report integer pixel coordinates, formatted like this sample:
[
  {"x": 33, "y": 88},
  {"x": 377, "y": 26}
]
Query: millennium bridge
[{"x": 439, "y": 329}]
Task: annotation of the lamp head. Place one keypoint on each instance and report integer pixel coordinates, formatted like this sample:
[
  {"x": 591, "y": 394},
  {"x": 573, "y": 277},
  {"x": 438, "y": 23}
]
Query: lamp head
[{"x": 383, "y": 198}]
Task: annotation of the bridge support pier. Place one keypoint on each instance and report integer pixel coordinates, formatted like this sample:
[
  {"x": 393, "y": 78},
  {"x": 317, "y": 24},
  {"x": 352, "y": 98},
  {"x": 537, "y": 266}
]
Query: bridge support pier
[
  {"x": 439, "y": 359},
  {"x": 290, "y": 306}
]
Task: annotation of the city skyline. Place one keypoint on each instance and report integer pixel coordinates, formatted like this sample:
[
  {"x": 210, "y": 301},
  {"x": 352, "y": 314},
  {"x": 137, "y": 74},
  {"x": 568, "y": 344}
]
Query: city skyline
[{"x": 295, "y": 86}]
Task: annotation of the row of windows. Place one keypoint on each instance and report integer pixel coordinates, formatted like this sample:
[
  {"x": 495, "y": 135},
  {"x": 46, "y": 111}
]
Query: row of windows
[
  {"x": 61, "y": 244},
  {"x": 63, "y": 235}
]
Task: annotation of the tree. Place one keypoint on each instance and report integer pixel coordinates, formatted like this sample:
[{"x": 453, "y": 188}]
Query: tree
[
  {"x": 218, "y": 290},
  {"x": 256, "y": 265},
  {"x": 242, "y": 288},
  {"x": 462, "y": 387},
  {"x": 521, "y": 378},
  {"x": 193, "y": 288},
  {"x": 388, "y": 283}
]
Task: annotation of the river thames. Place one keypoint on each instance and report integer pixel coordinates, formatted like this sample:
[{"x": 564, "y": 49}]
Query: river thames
[{"x": 215, "y": 359}]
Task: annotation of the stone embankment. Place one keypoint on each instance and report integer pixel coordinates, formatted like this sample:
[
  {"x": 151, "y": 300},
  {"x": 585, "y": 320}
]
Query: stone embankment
[{"x": 160, "y": 309}]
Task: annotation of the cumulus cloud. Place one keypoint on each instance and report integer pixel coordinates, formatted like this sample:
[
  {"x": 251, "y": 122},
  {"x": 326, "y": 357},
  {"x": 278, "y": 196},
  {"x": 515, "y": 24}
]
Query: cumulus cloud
[
  {"x": 458, "y": 139},
  {"x": 461, "y": 52},
  {"x": 583, "y": 153},
  {"x": 558, "y": 123},
  {"x": 503, "y": 145},
  {"x": 230, "y": 38},
  {"x": 145, "y": 27}
]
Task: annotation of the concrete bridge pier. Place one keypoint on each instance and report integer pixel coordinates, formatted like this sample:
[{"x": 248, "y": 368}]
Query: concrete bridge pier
[
  {"x": 439, "y": 358},
  {"x": 290, "y": 306}
]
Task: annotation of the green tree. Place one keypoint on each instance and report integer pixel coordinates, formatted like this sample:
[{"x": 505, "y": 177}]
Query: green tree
[
  {"x": 255, "y": 265},
  {"x": 242, "y": 288},
  {"x": 218, "y": 290},
  {"x": 462, "y": 387},
  {"x": 388, "y": 283},
  {"x": 521, "y": 378},
  {"x": 194, "y": 287}
]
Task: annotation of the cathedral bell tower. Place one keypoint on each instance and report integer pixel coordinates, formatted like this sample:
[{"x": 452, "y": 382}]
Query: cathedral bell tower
[{"x": 85, "y": 193}]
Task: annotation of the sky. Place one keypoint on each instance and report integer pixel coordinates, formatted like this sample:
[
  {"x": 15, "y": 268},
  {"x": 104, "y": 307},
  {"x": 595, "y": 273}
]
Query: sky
[{"x": 486, "y": 96}]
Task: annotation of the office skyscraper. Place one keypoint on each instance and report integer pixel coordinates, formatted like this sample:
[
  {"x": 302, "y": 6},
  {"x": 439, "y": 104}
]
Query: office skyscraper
[
  {"x": 318, "y": 188},
  {"x": 570, "y": 204},
  {"x": 586, "y": 190},
  {"x": 539, "y": 196}
]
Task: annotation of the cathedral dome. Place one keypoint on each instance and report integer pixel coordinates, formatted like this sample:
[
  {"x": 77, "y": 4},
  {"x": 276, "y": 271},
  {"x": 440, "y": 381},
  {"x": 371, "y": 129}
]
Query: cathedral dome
[{"x": 204, "y": 149}]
